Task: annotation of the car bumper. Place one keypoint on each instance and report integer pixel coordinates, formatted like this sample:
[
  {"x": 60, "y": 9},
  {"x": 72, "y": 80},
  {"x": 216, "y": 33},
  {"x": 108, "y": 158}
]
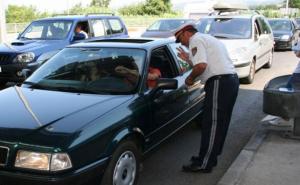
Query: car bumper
[
  {"x": 87, "y": 175},
  {"x": 283, "y": 44},
  {"x": 242, "y": 69}
]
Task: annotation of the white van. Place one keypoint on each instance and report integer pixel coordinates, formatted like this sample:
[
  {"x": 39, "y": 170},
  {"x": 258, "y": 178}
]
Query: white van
[{"x": 247, "y": 36}]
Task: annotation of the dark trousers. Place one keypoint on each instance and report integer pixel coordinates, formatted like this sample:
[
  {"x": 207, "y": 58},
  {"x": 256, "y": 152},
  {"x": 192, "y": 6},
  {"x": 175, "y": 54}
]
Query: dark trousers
[{"x": 221, "y": 92}]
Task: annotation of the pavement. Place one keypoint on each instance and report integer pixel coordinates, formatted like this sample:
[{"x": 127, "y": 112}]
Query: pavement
[{"x": 271, "y": 157}]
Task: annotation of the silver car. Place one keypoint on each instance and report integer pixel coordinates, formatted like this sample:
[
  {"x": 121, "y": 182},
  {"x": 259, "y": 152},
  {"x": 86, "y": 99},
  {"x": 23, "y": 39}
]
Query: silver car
[{"x": 247, "y": 37}]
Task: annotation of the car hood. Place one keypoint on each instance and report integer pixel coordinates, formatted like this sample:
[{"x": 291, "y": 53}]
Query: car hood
[
  {"x": 27, "y": 111},
  {"x": 31, "y": 45},
  {"x": 237, "y": 47},
  {"x": 157, "y": 34},
  {"x": 280, "y": 33}
]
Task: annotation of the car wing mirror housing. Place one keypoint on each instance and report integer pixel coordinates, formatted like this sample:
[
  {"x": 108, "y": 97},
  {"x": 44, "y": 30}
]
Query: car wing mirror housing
[{"x": 166, "y": 83}]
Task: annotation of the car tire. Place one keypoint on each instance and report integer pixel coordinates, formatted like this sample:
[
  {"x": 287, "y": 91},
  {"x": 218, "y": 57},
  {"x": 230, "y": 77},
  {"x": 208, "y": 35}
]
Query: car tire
[
  {"x": 249, "y": 79},
  {"x": 270, "y": 61},
  {"x": 124, "y": 165}
]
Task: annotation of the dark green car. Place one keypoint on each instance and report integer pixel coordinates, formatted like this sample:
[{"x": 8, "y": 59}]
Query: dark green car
[{"x": 88, "y": 115}]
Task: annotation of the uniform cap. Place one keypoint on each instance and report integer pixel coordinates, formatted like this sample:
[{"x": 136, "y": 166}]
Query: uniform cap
[{"x": 182, "y": 28}]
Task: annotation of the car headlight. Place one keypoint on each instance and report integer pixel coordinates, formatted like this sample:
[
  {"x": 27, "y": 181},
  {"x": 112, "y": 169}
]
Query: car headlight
[
  {"x": 42, "y": 161},
  {"x": 25, "y": 57},
  {"x": 285, "y": 37}
]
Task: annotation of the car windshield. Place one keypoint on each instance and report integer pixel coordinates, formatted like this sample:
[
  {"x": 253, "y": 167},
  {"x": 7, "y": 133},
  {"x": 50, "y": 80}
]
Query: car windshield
[
  {"x": 47, "y": 30},
  {"x": 280, "y": 25},
  {"x": 166, "y": 25},
  {"x": 228, "y": 28},
  {"x": 90, "y": 70}
]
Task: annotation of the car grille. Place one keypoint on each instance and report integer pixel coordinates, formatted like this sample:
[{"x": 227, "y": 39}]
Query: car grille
[
  {"x": 4, "y": 58},
  {"x": 3, "y": 155}
]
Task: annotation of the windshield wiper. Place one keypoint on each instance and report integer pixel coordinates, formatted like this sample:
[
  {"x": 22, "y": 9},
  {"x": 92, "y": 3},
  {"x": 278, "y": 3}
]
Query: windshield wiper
[
  {"x": 25, "y": 38},
  {"x": 74, "y": 89},
  {"x": 220, "y": 36},
  {"x": 34, "y": 85}
]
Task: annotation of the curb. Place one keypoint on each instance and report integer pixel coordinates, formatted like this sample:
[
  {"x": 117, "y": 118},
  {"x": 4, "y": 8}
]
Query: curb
[{"x": 234, "y": 173}]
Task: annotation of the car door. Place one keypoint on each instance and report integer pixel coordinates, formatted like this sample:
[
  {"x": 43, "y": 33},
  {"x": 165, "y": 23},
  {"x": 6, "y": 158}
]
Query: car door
[
  {"x": 167, "y": 107},
  {"x": 265, "y": 43},
  {"x": 196, "y": 91}
]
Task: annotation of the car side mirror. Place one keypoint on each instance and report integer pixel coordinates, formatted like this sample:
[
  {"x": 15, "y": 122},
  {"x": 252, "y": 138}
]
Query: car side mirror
[{"x": 166, "y": 83}]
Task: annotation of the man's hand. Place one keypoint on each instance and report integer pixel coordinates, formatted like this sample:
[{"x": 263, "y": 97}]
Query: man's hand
[
  {"x": 189, "y": 81},
  {"x": 182, "y": 54}
]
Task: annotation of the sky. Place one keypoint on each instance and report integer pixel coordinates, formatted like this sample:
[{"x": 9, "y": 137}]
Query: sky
[{"x": 61, "y": 5}]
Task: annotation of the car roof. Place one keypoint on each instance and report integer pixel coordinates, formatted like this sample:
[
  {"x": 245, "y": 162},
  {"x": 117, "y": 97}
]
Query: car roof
[
  {"x": 137, "y": 43},
  {"x": 77, "y": 17},
  {"x": 244, "y": 16},
  {"x": 179, "y": 19}
]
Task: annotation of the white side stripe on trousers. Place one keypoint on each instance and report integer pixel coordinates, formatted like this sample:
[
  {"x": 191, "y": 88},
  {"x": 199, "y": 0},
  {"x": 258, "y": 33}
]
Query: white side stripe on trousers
[{"x": 214, "y": 123}]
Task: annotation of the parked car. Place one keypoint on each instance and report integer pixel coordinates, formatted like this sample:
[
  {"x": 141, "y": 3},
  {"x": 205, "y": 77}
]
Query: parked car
[
  {"x": 162, "y": 28},
  {"x": 285, "y": 31},
  {"x": 43, "y": 38},
  {"x": 247, "y": 37},
  {"x": 297, "y": 20},
  {"x": 87, "y": 114}
]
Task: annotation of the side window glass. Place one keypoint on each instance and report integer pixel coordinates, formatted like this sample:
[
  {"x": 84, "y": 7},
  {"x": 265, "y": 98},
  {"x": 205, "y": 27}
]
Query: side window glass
[
  {"x": 184, "y": 66},
  {"x": 259, "y": 29},
  {"x": 160, "y": 66},
  {"x": 265, "y": 28},
  {"x": 116, "y": 26},
  {"x": 107, "y": 28},
  {"x": 98, "y": 27}
]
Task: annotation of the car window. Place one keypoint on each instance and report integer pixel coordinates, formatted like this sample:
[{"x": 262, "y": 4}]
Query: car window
[
  {"x": 92, "y": 70},
  {"x": 160, "y": 61},
  {"x": 47, "y": 30},
  {"x": 184, "y": 66},
  {"x": 264, "y": 26},
  {"x": 166, "y": 25},
  {"x": 278, "y": 24},
  {"x": 98, "y": 27},
  {"x": 116, "y": 26},
  {"x": 230, "y": 28}
]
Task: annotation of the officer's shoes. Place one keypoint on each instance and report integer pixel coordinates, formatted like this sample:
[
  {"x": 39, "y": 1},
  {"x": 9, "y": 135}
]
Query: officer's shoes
[
  {"x": 196, "y": 159},
  {"x": 194, "y": 167}
]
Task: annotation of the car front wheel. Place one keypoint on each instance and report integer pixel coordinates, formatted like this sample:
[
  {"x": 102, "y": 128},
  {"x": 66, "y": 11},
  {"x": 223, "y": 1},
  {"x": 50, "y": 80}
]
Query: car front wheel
[
  {"x": 249, "y": 79},
  {"x": 123, "y": 168},
  {"x": 270, "y": 61}
]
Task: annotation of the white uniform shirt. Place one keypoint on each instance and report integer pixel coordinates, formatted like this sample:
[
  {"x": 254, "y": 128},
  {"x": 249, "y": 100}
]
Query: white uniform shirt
[
  {"x": 297, "y": 70},
  {"x": 207, "y": 49}
]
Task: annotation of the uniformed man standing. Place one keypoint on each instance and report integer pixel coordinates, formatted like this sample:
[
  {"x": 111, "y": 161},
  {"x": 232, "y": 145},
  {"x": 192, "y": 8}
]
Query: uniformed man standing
[{"x": 212, "y": 65}]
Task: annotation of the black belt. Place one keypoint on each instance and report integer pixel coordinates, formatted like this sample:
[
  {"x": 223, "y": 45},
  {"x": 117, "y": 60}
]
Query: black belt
[{"x": 222, "y": 76}]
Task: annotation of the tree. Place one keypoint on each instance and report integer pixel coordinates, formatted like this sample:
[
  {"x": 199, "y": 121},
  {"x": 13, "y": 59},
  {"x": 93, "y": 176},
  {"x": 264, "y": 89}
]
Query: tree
[
  {"x": 293, "y": 3},
  {"x": 150, "y": 7},
  {"x": 101, "y": 3},
  {"x": 21, "y": 14}
]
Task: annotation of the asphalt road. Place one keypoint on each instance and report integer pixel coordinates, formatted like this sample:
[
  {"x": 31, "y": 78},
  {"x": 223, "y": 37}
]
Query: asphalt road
[{"x": 163, "y": 165}]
